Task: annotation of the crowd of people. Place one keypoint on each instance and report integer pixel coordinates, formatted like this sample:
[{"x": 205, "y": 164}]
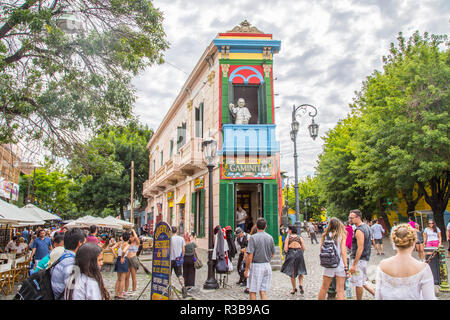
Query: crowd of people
[{"x": 75, "y": 258}]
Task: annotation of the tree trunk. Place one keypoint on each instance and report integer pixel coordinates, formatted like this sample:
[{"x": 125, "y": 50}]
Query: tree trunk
[
  {"x": 122, "y": 217},
  {"x": 438, "y": 200},
  {"x": 411, "y": 202},
  {"x": 384, "y": 215}
]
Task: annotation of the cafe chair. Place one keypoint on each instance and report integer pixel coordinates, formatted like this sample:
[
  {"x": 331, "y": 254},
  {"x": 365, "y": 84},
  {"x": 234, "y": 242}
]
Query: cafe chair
[{"x": 6, "y": 277}]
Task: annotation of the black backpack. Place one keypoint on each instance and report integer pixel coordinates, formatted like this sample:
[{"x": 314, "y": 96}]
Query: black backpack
[
  {"x": 329, "y": 257},
  {"x": 38, "y": 286}
]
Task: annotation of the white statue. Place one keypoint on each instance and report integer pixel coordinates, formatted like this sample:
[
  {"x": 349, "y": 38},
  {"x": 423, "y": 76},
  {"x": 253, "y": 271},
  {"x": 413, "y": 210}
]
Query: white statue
[{"x": 240, "y": 113}]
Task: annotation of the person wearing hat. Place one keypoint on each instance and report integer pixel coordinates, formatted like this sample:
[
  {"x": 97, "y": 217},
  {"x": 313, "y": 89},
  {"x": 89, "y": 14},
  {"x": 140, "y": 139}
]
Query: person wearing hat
[{"x": 241, "y": 247}]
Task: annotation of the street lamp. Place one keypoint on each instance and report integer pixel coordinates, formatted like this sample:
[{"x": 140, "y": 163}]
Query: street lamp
[
  {"x": 209, "y": 147},
  {"x": 313, "y": 132}
]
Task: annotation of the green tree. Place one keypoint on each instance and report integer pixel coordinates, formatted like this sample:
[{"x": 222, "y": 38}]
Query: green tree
[
  {"x": 49, "y": 190},
  {"x": 65, "y": 64},
  {"x": 403, "y": 139},
  {"x": 309, "y": 202},
  {"x": 103, "y": 172},
  {"x": 336, "y": 183}
]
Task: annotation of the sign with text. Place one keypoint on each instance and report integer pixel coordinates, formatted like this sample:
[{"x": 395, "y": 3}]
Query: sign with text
[
  {"x": 161, "y": 262},
  {"x": 248, "y": 168}
]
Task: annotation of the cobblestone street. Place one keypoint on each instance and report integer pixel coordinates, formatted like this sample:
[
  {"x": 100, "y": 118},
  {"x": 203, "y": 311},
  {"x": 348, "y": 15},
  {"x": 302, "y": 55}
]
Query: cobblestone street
[
  {"x": 280, "y": 288},
  {"x": 281, "y": 285}
]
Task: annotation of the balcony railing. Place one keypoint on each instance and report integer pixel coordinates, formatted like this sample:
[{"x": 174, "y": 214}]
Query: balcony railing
[
  {"x": 185, "y": 162},
  {"x": 251, "y": 139}
]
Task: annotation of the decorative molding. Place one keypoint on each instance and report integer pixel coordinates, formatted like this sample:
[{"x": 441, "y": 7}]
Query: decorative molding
[
  {"x": 225, "y": 68},
  {"x": 189, "y": 105},
  {"x": 267, "y": 70},
  {"x": 225, "y": 52},
  {"x": 245, "y": 27},
  {"x": 211, "y": 76},
  {"x": 267, "y": 51}
]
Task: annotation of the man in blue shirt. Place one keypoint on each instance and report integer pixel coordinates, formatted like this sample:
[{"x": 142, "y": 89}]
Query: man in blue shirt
[
  {"x": 25, "y": 235},
  {"x": 41, "y": 247},
  {"x": 73, "y": 239},
  {"x": 378, "y": 231}
]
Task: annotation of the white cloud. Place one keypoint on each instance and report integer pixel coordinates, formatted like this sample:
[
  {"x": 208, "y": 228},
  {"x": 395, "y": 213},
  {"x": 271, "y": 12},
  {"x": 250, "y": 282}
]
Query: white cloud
[{"x": 327, "y": 49}]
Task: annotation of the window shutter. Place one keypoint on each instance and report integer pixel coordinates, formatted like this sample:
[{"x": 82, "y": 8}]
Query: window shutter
[
  {"x": 194, "y": 210},
  {"x": 202, "y": 214}
]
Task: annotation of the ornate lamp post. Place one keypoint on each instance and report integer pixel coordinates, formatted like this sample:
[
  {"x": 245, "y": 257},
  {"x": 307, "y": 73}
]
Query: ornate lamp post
[
  {"x": 313, "y": 132},
  {"x": 209, "y": 146}
]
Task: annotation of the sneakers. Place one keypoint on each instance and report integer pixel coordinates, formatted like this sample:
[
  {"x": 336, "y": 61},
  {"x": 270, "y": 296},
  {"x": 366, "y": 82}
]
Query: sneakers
[{"x": 246, "y": 291}]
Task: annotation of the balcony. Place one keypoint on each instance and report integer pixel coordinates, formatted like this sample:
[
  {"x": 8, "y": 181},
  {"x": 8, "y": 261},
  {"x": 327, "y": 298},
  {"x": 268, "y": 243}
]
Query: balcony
[
  {"x": 187, "y": 161},
  {"x": 249, "y": 139}
]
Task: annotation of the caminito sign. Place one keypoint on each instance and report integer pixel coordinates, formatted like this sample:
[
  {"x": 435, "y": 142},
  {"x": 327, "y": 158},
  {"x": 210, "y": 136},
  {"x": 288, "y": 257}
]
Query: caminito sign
[
  {"x": 250, "y": 168},
  {"x": 161, "y": 262}
]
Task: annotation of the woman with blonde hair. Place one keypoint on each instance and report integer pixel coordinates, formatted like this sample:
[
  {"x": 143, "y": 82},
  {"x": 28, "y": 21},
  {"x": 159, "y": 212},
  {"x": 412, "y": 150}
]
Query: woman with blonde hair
[
  {"x": 336, "y": 231},
  {"x": 402, "y": 277}
]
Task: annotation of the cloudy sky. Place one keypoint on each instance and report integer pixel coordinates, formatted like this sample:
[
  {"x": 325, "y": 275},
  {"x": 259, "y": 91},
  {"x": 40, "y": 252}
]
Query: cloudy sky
[{"x": 328, "y": 48}]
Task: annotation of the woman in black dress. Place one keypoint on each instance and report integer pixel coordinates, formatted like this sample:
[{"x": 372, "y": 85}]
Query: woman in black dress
[
  {"x": 188, "y": 263},
  {"x": 294, "y": 265}
]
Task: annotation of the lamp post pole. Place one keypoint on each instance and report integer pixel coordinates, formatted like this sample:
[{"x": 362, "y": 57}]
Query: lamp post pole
[
  {"x": 211, "y": 282},
  {"x": 210, "y": 150},
  {"x": 313, "y": 131}
]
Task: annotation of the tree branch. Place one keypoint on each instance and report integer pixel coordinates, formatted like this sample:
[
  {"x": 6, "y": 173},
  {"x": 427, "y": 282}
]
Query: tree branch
[{"x": 9, "y": 24}]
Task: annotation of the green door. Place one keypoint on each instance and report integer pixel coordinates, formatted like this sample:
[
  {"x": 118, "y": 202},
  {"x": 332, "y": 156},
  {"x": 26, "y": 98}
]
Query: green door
[
  {"x": 226, "y": 204},
  {"x": 270, "y": 207}
]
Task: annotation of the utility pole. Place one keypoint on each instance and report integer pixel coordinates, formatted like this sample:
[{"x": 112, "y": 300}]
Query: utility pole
[{"x": 132, "y": 192}]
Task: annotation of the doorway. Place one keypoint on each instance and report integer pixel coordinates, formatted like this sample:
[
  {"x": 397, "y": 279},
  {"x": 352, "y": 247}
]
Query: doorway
[{"x": 249, "y": 196}]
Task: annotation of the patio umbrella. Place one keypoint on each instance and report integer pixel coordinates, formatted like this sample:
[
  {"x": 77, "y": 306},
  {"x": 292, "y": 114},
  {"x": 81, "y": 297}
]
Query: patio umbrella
[
  {"x": 10, "y": 214},
  {"x": 119, "y": 221},
  {"x": 39, "y": 213}
]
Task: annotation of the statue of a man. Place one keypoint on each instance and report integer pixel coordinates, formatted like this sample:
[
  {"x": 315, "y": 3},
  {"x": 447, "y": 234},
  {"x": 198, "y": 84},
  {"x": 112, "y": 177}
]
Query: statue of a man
[{"x": 240, "y": 113}]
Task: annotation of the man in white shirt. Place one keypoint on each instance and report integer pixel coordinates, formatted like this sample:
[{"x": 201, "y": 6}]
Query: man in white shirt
[
  {"x": 241, "y": 215},
  {"x": 378, "y": 232},
  {"x": 177, "y": 244}
]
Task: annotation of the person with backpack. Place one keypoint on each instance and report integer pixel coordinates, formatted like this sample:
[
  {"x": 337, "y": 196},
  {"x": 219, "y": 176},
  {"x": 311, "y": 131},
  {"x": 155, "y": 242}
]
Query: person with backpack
[
  {"x": 49, "y": 284},
  {"x": 73, "y": 239},
  {"x": 294, "y": 265},
  {"x": 333, "y": 258},
  {"x": 86, "y": 282}
]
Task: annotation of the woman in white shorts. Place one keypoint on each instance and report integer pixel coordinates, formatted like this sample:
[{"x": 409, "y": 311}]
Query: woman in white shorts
[{"x": 336, "y": 230}]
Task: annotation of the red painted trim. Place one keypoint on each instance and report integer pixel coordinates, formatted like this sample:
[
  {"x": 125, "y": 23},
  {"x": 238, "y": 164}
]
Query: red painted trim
[
  {"x": 220, "y": 106},
  {"x": 273, "y": 102},
  {"x": 243, "y": 34}
]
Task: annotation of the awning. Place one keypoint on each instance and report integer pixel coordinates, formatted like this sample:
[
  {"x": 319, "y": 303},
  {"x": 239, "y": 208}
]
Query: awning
[
  {"x": 183, "y": 200},
  {"x": 39, "y": 213},
  {"x": 10, "y": 214}
]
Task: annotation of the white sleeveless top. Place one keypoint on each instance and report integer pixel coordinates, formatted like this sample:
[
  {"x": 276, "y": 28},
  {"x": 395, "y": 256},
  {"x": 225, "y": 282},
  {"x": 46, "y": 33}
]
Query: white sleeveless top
[{"x": 416, "y": 287}]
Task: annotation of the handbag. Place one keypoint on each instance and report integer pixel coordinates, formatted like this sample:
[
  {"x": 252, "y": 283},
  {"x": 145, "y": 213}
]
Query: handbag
[
  {"x": 197, "y": 262},
  {"x": 221, "y": 265}
]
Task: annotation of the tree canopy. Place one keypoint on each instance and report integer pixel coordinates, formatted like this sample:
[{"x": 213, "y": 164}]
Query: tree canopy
[
  {"x": 102, "y": 170},
  {"x": 400, "y": 124},
  {"x": 65, "y": 64}
]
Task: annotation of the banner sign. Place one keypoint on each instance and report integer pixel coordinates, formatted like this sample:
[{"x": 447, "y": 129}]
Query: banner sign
[
  {"x": 8, "y": 187},
  {"x": 250, "y": 168},
  {"x": 199, "y": 183},
  {"x": 161, "y": 262}
]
